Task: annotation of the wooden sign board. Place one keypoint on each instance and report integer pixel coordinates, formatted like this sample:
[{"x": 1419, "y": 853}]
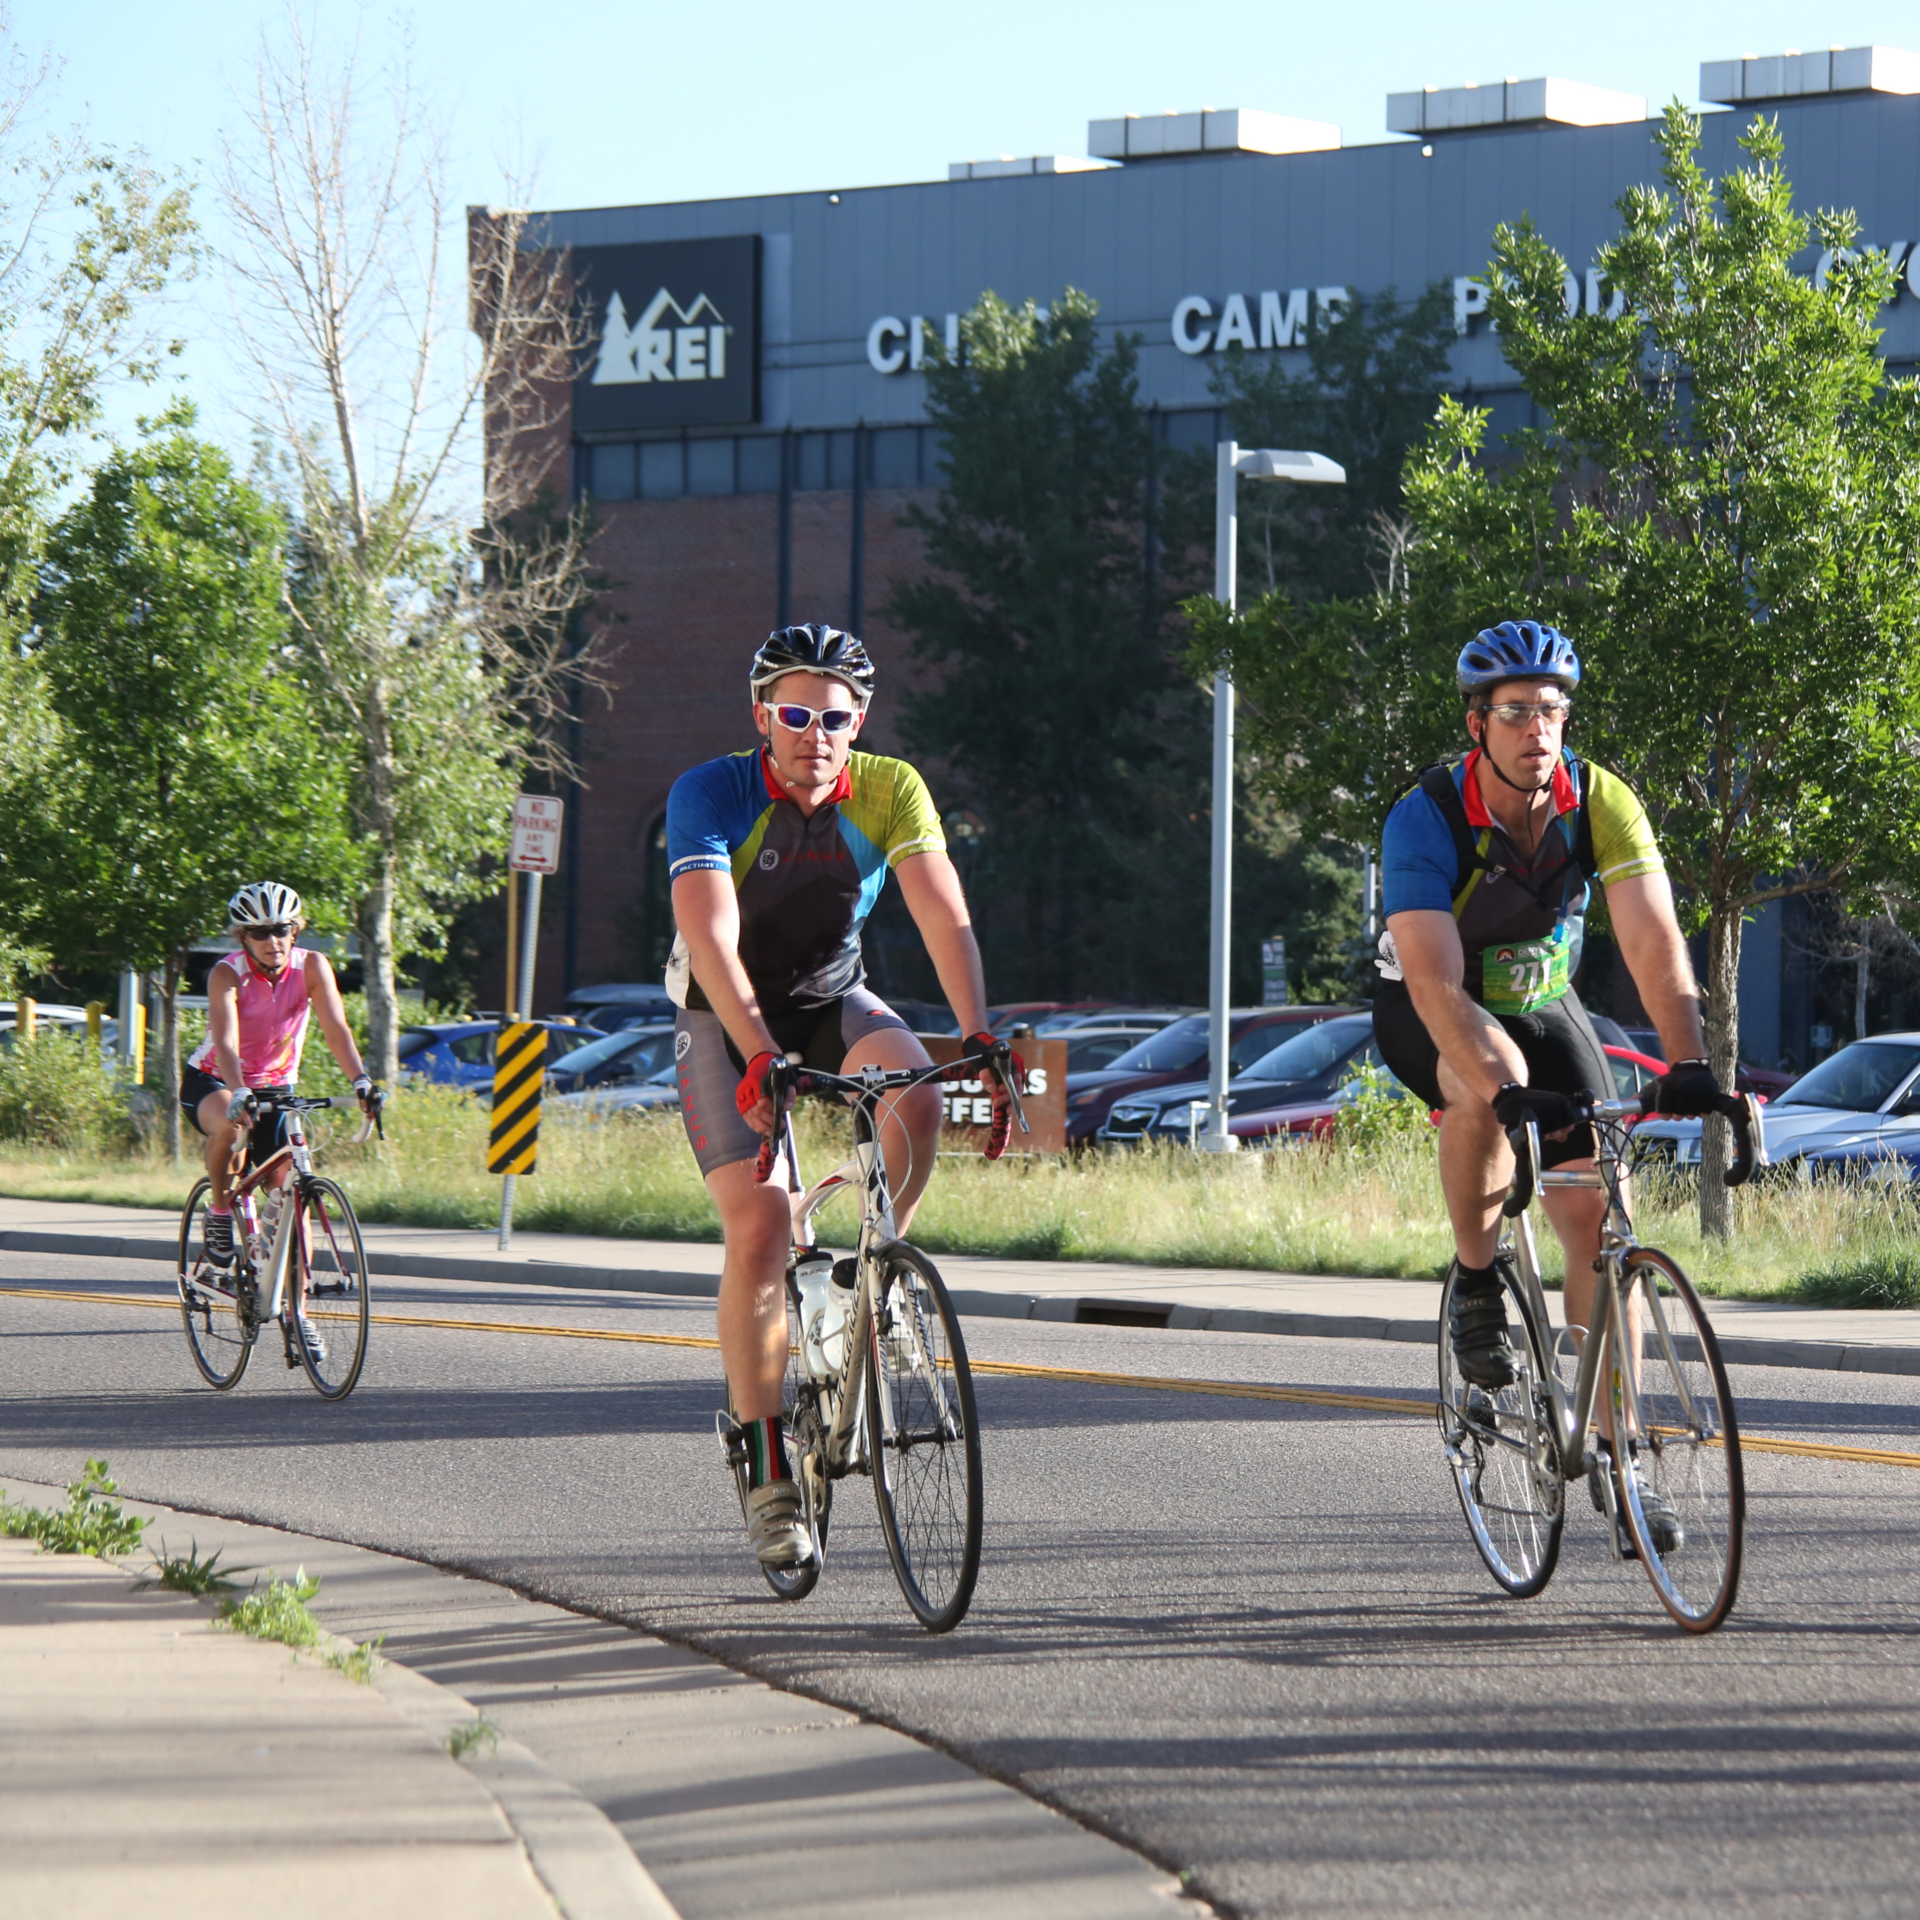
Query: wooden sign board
[{"x": 969, "y": 1105}]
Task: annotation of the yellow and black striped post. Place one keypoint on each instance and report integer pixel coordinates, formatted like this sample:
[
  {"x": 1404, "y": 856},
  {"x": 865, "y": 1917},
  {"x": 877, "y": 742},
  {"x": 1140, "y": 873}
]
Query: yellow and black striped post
[{"x": 519, "y": 1070}]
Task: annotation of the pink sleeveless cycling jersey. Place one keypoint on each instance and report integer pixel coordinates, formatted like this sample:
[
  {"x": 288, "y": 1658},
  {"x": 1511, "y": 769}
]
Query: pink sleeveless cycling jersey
[{"x": 273, "y": 1022}]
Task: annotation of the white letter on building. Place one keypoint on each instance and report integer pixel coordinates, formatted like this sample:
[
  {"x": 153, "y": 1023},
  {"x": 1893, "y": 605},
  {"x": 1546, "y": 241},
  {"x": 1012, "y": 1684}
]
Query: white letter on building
[
  {"x": 1332, "y": 301},
  {"x": 1284, "y": 328},
  {"x": 1613, "y": 304},
  {"x": 1570, "y": 294},
  {"x": 953, "y": 336},
  {"x": 880, "y": 357},
  {"x": 1236, "y": 330},
  {"x": 1193, "y": 307},
  {"x": 689, "y": 353},
  {"x": 716, "y": 353},
  {"x": 1469, "y": 300},
  {"x": 916, "y": 342}
]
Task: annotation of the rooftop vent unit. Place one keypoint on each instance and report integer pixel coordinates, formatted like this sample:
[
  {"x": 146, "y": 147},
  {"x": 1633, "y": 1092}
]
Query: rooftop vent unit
[
  {"x": 1791, "y": 75},
  {"x": 1006, "y": 166},
  {"x": 1511, "y": 103},
  {"x": 1211, "y": 130}
]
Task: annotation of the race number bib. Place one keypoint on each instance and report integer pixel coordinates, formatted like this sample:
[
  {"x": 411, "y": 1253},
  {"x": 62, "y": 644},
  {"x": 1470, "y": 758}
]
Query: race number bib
[{"x": 1526, "y": 974}]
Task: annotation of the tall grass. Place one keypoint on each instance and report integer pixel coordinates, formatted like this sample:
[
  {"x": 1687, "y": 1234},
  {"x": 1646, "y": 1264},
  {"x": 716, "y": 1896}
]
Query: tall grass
[{"x": 1370, "y": 1210}]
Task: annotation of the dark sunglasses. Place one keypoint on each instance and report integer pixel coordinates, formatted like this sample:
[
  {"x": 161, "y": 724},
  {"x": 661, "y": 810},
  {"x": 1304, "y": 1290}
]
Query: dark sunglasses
[
  {"x": 799, "y": 719},
  {"x": 278, "y": 931}
]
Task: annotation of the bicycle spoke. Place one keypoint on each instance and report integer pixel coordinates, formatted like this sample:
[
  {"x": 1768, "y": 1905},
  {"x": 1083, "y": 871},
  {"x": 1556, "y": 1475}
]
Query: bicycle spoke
[
  {"x": 924, "y": 1439},
  {"x": 334, "y": 1264},
  {"x": 220, "y": 1331},
  {"x": 1686, "y": 1447},
  {"x": 1500, "y": 1447}
]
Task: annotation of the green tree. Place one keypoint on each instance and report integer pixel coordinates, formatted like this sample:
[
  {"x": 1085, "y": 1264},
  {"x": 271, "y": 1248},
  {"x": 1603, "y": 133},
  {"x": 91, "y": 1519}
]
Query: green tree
[
  {"x": 1723, "y": 512},
  {"x": 189, "y": 760},
  {"x": 1053, "y": 696},
  {"x": 1375, "y": 372}
]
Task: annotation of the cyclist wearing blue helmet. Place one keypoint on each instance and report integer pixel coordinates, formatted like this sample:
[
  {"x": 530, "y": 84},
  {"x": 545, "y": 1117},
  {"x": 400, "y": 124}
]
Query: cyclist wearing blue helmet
[{"x": 1488, "y": 864}]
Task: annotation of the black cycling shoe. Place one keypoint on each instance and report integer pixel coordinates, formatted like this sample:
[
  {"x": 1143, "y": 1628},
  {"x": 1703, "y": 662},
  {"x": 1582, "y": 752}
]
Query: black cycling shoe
[
  {"x": 1477, "y": 1323},
  {"x": 1663, "y": 1522}
]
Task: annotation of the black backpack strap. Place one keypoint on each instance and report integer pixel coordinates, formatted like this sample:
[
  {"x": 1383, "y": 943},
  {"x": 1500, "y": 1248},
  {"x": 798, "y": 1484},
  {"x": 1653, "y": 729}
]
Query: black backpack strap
[
  {"x": 1437, "y": 783},
  {"x": 1583, "y": 829}
]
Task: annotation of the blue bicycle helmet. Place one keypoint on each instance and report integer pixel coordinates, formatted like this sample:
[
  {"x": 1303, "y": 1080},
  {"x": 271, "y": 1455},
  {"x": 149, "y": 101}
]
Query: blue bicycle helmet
[{"x": 1517, "y": 650}]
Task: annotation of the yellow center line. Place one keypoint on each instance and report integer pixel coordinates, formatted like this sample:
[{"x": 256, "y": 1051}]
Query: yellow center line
[{"x": 1145, "y": 1382}]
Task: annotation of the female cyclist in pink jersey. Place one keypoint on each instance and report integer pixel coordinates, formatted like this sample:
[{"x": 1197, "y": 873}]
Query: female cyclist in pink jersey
[{"x": 258, "y": 1000}]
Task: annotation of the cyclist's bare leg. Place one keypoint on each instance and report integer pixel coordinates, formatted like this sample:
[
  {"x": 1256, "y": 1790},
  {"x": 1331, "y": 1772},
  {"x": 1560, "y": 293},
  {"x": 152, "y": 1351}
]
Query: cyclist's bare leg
[
  {"x": 757, "y": 1222},
  {"x": 226, "y": 1145},
  {"x": 1476, "y": 1163},
  {"x": 909, "y": 1122}
]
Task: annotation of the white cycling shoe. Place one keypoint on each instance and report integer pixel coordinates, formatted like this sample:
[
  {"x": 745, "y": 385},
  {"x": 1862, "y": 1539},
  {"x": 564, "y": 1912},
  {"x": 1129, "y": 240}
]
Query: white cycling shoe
[{"x": 777, "y": 1526}]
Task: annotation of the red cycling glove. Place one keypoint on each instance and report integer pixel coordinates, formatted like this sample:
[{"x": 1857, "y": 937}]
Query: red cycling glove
[
  {"x": 1001, "y": 1129},
  {"x": 753, "y": 1088}
]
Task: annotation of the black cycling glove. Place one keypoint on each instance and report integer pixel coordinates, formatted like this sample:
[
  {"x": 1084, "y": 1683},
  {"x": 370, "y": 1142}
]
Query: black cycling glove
[
  {"x": 1514, "y": 1105},
  {"x": 1688, "y": 1088}
]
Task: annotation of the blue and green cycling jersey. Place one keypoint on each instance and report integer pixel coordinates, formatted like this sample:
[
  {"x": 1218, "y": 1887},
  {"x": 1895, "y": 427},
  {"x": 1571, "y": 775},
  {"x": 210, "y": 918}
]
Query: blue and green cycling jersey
[
  {"x": 1520, "y": 917},
  {"x": 805, "y": 886}
]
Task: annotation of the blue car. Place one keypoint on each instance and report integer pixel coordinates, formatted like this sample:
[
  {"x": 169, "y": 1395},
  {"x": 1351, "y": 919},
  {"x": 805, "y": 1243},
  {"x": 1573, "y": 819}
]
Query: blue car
[{"x": 461, "y": 1054}]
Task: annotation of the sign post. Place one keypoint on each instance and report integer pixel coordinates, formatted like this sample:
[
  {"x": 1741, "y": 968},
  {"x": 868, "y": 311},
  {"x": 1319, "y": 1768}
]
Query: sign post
[{"x": 520, "y": 1048}]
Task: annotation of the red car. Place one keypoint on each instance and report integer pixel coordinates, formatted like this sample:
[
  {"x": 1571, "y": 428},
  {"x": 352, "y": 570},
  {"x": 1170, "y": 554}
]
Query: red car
[
  {"x": 1632, "y": 1074},
  {"x": 1177, "y": 1052}
]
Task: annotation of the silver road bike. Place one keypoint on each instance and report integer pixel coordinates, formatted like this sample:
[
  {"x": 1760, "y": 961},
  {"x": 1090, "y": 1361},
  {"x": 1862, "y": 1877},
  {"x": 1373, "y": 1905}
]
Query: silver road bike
[
  {"x": 1514, "y": 1453},
  {"x": 306, "y": 1256},
  {"x": 877, "y": 1379}
]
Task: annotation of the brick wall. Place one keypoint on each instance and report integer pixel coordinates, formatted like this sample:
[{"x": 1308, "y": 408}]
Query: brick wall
[{"x": 692, "y": 589}]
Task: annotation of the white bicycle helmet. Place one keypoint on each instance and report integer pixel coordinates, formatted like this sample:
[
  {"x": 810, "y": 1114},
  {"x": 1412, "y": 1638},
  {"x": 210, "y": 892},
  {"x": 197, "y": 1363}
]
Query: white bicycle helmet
[{"x": 263, "y": 903}]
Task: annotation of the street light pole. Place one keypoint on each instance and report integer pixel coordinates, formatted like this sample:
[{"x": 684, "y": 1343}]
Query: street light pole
[{"x": 1230, "y": 462}]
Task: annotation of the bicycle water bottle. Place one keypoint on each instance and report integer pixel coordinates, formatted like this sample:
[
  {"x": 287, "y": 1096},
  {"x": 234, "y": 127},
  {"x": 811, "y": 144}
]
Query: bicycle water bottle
[
  {"x": 250, "y": 1235},
  {"x": 838, "y": 1316},
  {"x": 812, "y": 1272}
]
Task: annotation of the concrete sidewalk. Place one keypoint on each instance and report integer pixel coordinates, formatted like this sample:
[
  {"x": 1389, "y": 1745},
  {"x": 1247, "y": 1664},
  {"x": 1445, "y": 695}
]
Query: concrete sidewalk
[
  {"x": 151, "y": 1764},
  {"x": 1090, "y": 1292}
]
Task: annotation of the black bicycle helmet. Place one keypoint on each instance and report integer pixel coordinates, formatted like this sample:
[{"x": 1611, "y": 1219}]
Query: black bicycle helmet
[
  {"x": 813, "y": 648},
  {"x": 1516, "y": 650}
]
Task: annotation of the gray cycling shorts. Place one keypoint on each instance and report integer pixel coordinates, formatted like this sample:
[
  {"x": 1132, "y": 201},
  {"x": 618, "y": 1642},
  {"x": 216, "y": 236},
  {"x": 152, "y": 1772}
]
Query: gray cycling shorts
[{"x": 710, "y": 1070}]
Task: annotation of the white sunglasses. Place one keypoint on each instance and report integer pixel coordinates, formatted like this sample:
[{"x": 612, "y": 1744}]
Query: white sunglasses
[{"x": 797, "y": 719}]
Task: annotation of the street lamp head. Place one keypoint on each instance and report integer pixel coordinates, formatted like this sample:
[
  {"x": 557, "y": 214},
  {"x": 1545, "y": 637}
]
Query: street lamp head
[{"x": 1277, "y": 463}]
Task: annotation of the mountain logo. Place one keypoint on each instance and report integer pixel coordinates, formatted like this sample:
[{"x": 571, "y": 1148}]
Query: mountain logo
[{"x": 693, "y": 346}]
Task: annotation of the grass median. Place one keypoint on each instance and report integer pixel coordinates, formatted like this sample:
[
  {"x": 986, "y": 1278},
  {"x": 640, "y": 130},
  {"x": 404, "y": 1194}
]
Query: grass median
[{"x": 1367, "y": 1211}]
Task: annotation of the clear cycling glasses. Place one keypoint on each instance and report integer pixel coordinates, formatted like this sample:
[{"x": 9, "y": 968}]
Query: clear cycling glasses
[
  {"x": 1520, "y": 713},
  {"x": 799, "y": 719}
]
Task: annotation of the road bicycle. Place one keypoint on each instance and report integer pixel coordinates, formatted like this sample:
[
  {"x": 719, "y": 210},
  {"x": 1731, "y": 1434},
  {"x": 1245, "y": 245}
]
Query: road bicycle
[
  {"x": 1514, "y": 1452},
  {"x": 877, "y": 1380},
  {"x": 297, "y": 1249}
]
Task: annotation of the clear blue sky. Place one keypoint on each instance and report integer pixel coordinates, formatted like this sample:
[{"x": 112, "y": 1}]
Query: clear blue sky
[{"x": 648, "y": 101}]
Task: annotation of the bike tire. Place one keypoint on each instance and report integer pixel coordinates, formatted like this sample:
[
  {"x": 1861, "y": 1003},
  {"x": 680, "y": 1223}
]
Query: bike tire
[
  {"x": 1502, "y": 1453},
  {"x": 923, "y": 1439},
  {"x": 804, "y": 1456},
  {"x": 220, "y": 1328},
  {"x": 334, "y": 1268},
  {"x": 1687, "y": 1447}
]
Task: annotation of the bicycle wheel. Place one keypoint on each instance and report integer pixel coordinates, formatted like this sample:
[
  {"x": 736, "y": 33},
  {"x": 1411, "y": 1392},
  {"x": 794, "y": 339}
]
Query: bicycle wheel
[
  {"x": 804, "y": 1455},
  {"x": 923, "y": 1440},
  {"x": 335, "y": 1264},
  {"x": 1686, "y": 1443},
  {"x": 1501, "y": 1449},
  {"x": 220, "y": 1330}
]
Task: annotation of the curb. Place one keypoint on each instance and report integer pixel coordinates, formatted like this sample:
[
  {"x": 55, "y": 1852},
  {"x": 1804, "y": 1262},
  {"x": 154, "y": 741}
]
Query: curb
[
  {"x": 1820, "y": 1356},
  {"x": 579, "y": 1855}
]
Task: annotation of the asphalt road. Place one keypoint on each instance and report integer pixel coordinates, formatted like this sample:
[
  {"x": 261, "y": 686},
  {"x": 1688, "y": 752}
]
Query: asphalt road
[{"x": 1249, "y": 1638}]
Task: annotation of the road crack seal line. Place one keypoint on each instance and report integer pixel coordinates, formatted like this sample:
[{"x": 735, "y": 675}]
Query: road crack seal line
[{"x": 1145, "y": 1382}]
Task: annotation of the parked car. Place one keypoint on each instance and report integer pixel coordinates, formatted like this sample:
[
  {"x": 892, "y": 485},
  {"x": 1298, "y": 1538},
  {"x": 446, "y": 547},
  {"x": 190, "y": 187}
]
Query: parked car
[
  {"x": 1140, "y": 1019},
  {"x": 1091, "y": 1048},
  {"x": 1870, "y": 1089},
  {"x": 1763, "y": 1082},
  {"x": 624, "y": 1058},
  {"x": 609, "y": 1008},
  {"x": 460, "y": 1054},
  {"x": 1177, "y": 1052},
  {"x": 661, "y": 1089}
]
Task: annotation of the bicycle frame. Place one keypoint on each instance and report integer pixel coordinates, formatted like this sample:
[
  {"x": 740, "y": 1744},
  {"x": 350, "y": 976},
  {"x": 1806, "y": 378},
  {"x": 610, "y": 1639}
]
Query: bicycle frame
[
  {"x": 1575, "y": 1413},
  {"x": 272, "y": 1284}
]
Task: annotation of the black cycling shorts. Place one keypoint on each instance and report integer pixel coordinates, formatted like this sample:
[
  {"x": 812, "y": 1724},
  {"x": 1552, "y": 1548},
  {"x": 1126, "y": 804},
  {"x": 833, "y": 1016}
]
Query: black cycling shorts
[
  {"x": 711, "y": 1069},
  {"x": 268, "y": 1133},
  {"x": 1561, "y": 1049}
]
